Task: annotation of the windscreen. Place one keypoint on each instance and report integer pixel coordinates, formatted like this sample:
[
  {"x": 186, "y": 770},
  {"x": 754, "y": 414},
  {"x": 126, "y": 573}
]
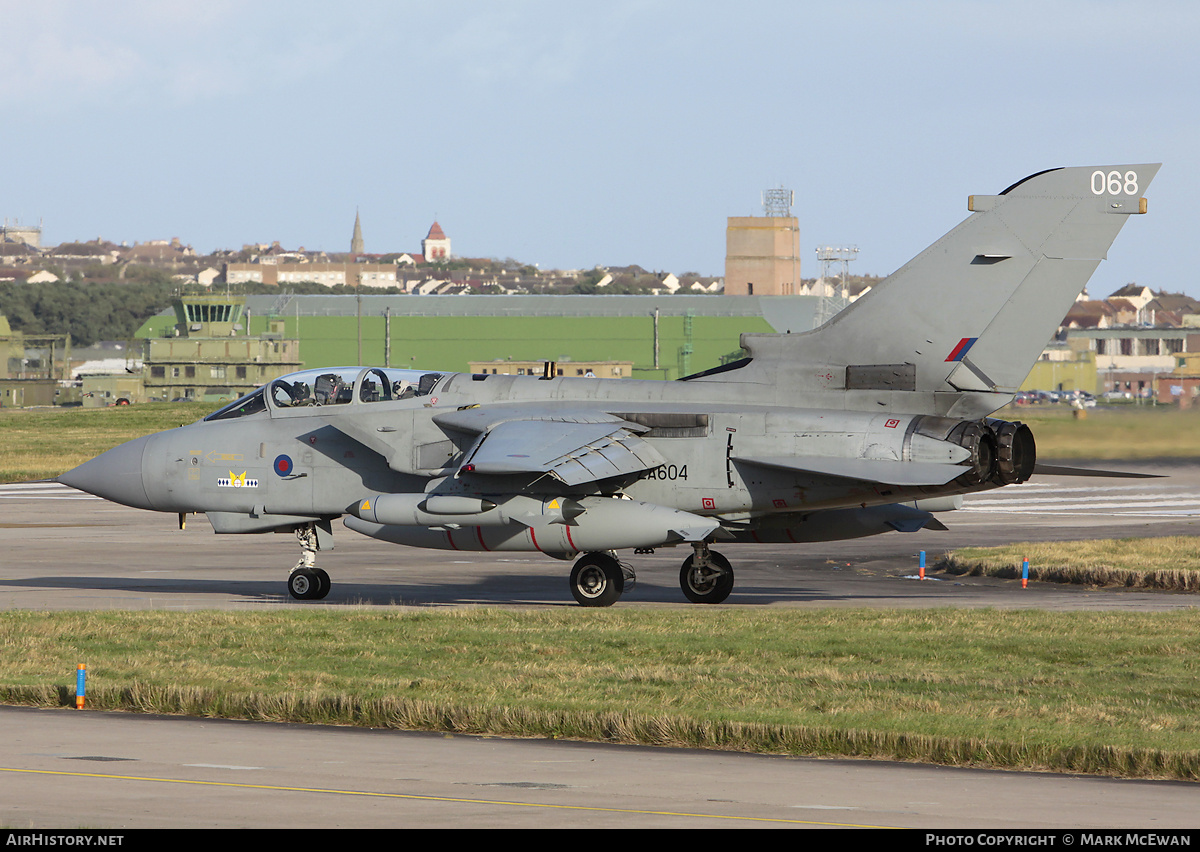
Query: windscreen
[{"x": 251, "y": 403}]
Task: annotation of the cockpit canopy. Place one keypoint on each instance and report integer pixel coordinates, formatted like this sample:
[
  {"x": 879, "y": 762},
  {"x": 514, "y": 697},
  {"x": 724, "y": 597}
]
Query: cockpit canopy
[{"x": 332, "y": 386}]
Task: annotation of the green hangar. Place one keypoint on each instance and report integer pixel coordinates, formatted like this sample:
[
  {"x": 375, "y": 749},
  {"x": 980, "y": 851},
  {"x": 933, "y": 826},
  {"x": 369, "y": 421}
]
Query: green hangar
[{"x": 665, "y": 337}]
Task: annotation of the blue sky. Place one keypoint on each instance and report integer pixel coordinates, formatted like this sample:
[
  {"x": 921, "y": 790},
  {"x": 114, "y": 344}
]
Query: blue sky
[{"x": 570, "y": 134}]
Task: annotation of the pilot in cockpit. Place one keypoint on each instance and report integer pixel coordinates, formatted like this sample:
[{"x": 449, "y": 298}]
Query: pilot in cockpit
[
  {"x": 288, "y": 394},
  {"x": 329, "y": 390},
  {"x": 368, "y": 391},
  {"x": 301, "y": 393}
]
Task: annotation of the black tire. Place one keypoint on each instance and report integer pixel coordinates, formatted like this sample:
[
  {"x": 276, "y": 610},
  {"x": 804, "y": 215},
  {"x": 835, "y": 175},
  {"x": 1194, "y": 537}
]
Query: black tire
[
  {"x": 325, "y": 584},
  {"x": 597, "y": 580},
  {"x": 712, "y": 590},
  {"x": 304, "y": 584}
]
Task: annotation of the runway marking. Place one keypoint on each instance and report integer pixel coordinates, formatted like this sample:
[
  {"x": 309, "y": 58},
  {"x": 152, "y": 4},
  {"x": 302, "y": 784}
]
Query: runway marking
[
  {"x": 1067, "y": 498},
  {"x": 1076, "y": 504},
  {"x": 450, "y": 799},
  {"x": 1110, "y": 500},
  {"x": 42, "y": 491}
]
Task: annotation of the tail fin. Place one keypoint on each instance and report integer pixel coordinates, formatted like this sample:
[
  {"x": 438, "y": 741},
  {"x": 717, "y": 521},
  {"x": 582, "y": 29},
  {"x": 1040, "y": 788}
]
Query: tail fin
[{"x": 974, "y": 310}]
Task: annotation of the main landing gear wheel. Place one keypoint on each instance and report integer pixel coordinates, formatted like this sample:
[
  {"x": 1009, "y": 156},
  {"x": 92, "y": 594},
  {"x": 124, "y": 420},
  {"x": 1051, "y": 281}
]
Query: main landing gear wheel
[
  {"x": 710, "y": 583},
  {"x": 597, "y": 580},
  {"x": 309, "y": 584}
]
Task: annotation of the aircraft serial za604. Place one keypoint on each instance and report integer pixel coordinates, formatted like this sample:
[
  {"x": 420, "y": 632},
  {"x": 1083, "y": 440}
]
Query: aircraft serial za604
[{"x": 867, "y": 424}]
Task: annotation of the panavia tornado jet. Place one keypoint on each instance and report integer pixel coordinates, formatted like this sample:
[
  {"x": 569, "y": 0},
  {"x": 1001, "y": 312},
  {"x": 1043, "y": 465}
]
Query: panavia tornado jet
[{"x": 868, "y": 424}]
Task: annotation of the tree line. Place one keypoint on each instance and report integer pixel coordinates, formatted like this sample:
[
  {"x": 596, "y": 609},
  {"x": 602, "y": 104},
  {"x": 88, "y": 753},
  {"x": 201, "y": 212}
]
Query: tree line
[{"x": 87, "y": 312}]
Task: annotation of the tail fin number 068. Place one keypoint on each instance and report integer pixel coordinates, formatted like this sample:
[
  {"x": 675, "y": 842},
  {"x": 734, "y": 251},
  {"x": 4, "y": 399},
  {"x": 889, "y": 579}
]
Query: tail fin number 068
[{"x": 1114, "y": 183}]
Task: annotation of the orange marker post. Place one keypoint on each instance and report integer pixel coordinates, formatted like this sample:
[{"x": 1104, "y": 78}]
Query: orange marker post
[{"x": 1025, "y": 573}]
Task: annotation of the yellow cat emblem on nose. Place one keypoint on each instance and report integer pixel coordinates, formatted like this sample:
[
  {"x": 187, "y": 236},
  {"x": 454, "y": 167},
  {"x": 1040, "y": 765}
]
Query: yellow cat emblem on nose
[{"x": 237, "y": 480}]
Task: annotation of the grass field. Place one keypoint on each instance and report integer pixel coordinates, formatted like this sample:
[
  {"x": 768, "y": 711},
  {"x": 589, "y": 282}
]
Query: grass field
[
  {"x": 1106, "y": 693},
  {"x": 1170, "y": 562},
  {"x": 41, "y": 443},
  {"x": 1111, "y": 432}
]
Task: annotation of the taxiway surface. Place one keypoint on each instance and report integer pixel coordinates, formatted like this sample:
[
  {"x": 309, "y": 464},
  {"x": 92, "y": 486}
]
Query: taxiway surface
[
  {"x": 64, "y": 769},
  {"x": 66, "y": 550}
]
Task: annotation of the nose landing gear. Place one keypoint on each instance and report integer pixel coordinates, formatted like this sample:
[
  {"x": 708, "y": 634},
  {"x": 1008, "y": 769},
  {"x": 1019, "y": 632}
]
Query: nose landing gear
[{"x": 307, "y": 582}]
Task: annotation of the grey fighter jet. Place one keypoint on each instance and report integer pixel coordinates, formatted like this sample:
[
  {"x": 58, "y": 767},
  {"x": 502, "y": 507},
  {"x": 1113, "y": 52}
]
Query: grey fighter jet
[{"x": 867, "y": 424}]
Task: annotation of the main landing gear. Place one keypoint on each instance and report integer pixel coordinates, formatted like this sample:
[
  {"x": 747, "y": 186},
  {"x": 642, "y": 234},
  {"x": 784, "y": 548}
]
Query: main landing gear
[
  {"x": 598, "y": 579},
  {"x": 706, "y": 576},
  {"x": 307, "y": 582}
]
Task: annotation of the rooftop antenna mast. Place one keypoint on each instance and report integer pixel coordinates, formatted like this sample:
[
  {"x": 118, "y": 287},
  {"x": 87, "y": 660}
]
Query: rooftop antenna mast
[
  {"x": 777, "y": 203},
  {"x": 831, "y": 256}
]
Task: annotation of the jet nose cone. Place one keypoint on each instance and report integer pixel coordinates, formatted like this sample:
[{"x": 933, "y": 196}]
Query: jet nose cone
[{"x": 115, "y": 475}]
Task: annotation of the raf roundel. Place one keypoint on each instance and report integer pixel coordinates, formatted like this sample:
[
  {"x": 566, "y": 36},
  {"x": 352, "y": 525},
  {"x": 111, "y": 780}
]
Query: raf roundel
[{"x": 283, "y": 465}]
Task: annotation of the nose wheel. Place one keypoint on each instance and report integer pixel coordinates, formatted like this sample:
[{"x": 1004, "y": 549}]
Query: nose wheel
[{"x": 307, "y": 582}]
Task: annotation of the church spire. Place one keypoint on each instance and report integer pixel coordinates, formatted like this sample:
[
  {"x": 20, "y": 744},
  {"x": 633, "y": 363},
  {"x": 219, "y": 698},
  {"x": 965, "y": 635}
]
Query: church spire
[{"x": 356, "y": 241}]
